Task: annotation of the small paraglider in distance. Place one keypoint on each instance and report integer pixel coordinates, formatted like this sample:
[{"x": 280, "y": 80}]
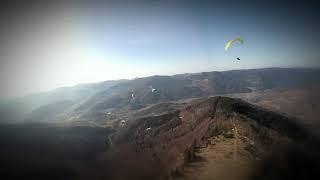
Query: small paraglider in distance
[
  {"x": 153, "y": 90},
  {"x": 232, "y": 42},
  {"x": 123, "y": 123},
  {"x": 133, "y": 96},
  {"x": 109, "y": 113}
]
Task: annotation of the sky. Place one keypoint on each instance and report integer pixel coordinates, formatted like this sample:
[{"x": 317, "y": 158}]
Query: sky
[{"x": 54, "y": 44}]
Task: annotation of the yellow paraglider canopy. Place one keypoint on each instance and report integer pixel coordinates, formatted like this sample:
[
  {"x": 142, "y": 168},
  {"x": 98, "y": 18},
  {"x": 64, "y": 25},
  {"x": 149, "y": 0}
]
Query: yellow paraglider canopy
[{"x": 231, "y": 42}]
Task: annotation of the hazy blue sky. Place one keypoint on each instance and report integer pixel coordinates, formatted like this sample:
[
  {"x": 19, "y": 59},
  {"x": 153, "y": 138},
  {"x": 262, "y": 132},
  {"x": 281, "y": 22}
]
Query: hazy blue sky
[{"x": 45, "y": 46}]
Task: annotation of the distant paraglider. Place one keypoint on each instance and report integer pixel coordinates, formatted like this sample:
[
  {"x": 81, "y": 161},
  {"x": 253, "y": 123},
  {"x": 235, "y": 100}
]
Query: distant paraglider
[
  {"x": 153, "y": 90},
  {"x": 232, "y": 42},
  {"x": 123, "y": 123}
]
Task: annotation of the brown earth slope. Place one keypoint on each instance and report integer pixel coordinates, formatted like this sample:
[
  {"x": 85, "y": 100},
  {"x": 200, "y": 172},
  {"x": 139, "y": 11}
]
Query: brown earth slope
[{"x": 220, "y": 134}]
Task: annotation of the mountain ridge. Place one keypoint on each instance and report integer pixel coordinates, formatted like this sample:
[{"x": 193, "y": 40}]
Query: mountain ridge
[
  {"x": 164, "y": 144},
  {"x": 92, "y": 100}
]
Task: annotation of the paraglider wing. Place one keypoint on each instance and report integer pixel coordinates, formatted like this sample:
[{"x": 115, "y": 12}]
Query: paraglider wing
[
  {"x": 231, "y": 42},
  {"x": 153, "y": 90}
]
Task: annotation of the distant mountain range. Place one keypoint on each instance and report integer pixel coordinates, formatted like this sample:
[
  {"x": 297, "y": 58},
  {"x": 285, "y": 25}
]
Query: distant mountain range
[{"x": 92, "y": 101}]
